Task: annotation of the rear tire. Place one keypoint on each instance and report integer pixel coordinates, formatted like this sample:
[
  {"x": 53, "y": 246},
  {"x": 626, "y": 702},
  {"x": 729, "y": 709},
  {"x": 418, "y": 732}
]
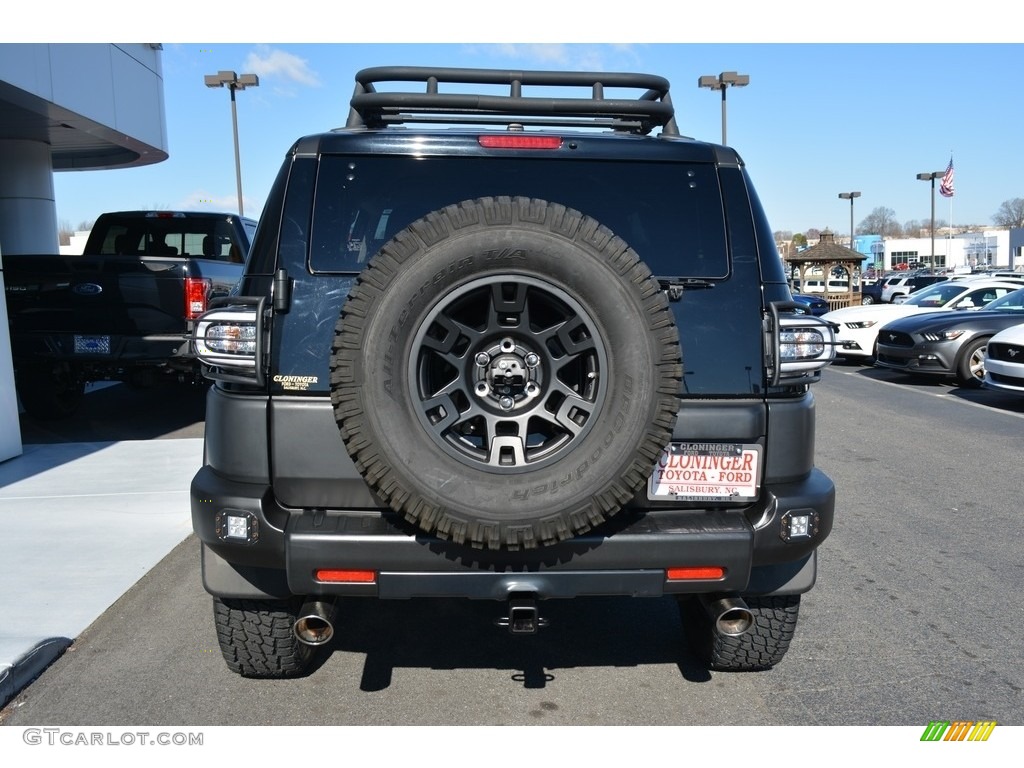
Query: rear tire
[
  {"x": 762, "y": 647},
  {"x": 257, "y": 639},
  {"x": 49, "y": 392}
]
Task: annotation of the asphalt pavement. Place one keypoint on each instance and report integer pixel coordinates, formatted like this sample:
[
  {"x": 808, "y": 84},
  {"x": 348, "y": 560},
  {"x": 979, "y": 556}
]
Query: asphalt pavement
[{"x": 84, "y": 520}]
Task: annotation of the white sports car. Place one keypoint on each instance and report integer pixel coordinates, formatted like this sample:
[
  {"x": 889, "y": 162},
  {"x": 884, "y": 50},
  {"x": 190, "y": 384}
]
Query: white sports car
[
  {"x": 857, "y": 327},
  {"x": 1004, "y": 360}
]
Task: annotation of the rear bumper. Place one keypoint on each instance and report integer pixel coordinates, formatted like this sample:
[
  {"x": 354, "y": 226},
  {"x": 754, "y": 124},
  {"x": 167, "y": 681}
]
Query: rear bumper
[
  {"x": 124, "y": 349},
  {"x": 286, "y": 548}
]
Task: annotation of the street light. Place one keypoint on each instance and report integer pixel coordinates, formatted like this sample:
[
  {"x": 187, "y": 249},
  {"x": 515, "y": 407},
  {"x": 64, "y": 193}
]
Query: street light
[
  {"x": 234, "y": 83},
  {"x": 850, "y": 196},
  {"x": 720, "y": 83},
  {"x": 932, "y": 177}
]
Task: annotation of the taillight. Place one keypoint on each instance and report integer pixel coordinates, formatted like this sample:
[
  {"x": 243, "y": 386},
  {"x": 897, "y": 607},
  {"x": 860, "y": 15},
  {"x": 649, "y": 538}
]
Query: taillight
[
  {"x": 798, "y": 347},
  {"x": 228, "y": 341},
  {"x": 196, "y": 291},
  {"x": 519, "y": 141}
]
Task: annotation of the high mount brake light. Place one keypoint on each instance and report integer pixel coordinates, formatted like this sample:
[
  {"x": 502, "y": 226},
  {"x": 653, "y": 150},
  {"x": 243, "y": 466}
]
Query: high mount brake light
[{"x": 519, "y": 141}]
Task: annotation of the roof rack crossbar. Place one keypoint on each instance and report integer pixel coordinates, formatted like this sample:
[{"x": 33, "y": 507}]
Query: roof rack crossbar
[{"x": 376, "y": 109}]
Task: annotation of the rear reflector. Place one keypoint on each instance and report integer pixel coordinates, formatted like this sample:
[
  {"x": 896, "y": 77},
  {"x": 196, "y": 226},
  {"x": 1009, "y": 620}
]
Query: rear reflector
[
  {"x": 519, "y": 141},
  {"x": 337, "y": 576},
  {"x": 695, "y": 573}
]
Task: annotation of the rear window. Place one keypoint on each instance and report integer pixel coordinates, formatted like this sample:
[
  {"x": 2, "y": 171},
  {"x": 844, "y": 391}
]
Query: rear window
[
  {"x": 203, "y": 237},
  {"x": 670, "y": 213}
]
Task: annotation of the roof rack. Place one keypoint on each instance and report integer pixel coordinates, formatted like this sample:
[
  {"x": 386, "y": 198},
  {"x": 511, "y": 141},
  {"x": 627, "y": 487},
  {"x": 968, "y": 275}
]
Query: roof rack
[{"x": 371, "y": 108}]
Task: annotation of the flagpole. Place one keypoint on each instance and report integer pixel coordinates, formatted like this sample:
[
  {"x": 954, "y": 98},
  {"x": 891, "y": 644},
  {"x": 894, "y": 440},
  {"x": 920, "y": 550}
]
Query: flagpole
[{"x": 946, "y": 189}]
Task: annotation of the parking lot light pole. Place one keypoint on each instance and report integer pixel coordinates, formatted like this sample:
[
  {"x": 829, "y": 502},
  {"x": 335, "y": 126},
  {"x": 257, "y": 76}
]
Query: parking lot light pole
[
  {"x": 932, "y": 177},
  {"x": 850, "y": 196},
  {"x": 720, "y": 83},
  {"x": 234, "y": 82}
]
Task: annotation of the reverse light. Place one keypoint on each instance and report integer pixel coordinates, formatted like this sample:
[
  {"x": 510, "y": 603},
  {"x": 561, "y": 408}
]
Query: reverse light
[
  {"x": 798, "y": 524},
  {"x": 237, "y": 526}
]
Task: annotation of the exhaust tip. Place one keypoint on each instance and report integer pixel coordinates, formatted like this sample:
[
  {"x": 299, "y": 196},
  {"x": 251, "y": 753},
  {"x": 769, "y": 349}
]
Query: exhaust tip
[
  {"x": 314, "y": 627},
  {"x": 730, "y": 615}
]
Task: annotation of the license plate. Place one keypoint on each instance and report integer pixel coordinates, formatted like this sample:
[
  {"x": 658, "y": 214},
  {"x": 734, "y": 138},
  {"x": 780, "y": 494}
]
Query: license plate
[
  {"x": 92, "y": 345},
  {"x": 707, "y": 472}
]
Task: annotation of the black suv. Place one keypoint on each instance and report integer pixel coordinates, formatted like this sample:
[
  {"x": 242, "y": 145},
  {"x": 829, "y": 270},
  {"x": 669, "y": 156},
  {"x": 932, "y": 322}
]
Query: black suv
[{"x": 514, "y": 347}]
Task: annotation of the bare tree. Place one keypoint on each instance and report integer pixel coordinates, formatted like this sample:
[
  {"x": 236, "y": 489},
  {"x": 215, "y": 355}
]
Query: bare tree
[
  {"x": 64, "y": 232},
  {"x": 1010, "y": 213},
  {"x": 881, "y": 221}
]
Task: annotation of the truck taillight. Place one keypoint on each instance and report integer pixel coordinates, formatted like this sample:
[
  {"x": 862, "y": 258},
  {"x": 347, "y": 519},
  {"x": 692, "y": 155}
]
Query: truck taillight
[{"x": 196, "y": 291}]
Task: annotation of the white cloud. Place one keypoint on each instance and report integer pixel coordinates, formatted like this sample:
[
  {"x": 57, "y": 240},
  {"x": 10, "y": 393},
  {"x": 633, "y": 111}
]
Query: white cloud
[{"x": 276, "y": 63}]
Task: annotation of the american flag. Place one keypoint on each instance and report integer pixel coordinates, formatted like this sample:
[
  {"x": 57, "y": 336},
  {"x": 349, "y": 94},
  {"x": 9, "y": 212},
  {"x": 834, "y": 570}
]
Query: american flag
[{"x": 946, "y": 187}]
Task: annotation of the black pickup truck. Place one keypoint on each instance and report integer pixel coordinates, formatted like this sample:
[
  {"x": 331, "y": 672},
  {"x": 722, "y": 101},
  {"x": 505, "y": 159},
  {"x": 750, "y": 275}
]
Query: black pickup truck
[{"x": 124, "y": 309}]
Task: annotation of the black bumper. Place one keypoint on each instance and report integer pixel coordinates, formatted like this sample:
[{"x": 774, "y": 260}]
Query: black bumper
[{"x": 286, "y": 548}]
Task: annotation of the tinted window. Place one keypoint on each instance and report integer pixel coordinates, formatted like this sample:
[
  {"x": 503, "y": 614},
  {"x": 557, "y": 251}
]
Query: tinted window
[{"x": 671, "y": 214}]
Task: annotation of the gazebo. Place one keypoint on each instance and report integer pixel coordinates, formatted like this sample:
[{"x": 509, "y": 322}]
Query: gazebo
[{"x": 821, "y": 261}]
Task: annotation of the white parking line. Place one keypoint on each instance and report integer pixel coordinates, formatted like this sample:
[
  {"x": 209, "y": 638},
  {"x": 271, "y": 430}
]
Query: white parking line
[{"x": 942, "y": 396}]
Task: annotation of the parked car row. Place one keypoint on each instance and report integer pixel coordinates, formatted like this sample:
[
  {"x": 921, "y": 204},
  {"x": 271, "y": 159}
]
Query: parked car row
[
  {"x": 970, "y": 331},
  {"x": 857, "y": 327}
]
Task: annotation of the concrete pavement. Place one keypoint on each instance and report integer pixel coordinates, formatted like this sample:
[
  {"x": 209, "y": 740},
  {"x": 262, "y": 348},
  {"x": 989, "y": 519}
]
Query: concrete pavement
[{"x": 81, "y": 523}]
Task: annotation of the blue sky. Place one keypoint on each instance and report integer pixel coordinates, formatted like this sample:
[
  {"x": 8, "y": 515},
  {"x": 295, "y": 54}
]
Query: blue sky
[{"x": 817, "y": 118}]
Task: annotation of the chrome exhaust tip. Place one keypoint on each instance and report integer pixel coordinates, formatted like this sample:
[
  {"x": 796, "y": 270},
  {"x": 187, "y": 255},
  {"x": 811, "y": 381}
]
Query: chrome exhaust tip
[
  {"x": 730, "y": 615},
  {"x": 315, "y": 625}
]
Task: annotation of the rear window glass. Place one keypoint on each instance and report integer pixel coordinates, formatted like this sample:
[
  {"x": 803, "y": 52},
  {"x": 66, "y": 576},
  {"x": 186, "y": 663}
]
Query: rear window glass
[
  {"x": 205, "y": 237},
  {"x": 671, "y": 214}
]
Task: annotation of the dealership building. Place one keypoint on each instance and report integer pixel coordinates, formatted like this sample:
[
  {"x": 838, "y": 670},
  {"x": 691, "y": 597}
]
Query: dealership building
[{"x": 66, "y": 107}]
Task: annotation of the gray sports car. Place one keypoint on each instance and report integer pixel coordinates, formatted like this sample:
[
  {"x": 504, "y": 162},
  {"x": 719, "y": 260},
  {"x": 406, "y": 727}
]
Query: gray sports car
[{"x": 947, "y": 344}]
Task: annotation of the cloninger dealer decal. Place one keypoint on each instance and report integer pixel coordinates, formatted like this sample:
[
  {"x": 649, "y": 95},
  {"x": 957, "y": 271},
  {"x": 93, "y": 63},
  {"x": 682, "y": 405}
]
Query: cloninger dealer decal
[{"x": 295, "y": 383}]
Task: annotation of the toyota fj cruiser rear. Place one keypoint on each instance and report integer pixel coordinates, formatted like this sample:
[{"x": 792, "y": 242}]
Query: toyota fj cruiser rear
[{"x": 511, "y": 347}]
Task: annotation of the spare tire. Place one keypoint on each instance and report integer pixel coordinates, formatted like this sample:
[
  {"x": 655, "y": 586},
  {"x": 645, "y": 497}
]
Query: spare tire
[{"x": 505, "y": 373}]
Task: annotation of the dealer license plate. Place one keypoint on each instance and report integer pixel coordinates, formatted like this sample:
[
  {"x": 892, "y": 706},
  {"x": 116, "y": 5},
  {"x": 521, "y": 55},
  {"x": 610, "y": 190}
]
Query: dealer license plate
[
  {"x": 92, "y": 345},
  {"x": 707, "y": 472}
]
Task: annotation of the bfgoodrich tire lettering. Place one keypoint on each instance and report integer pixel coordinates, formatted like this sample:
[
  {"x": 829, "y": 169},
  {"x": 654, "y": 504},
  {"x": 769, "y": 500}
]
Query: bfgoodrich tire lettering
[{"x": 505, "y": 373}]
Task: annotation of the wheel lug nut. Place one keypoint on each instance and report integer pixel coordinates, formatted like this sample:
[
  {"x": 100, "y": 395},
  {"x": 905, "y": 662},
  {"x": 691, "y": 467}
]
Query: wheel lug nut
[
  {"x": 506, "y": 403},
  {"x": 482, "y": 359},
  {"x": 533, "y": 360}
]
